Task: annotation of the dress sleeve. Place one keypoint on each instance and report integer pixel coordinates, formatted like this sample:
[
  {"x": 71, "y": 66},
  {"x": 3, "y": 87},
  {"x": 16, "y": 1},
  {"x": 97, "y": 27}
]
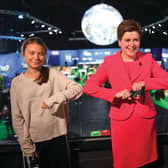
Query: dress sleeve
[
  {"x": 94, "y": 85},
  {"x": 158, "y": 79}
]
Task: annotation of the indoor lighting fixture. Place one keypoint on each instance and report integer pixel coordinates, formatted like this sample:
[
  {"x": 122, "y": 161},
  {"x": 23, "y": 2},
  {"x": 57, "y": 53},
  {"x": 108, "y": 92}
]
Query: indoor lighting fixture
[
  {"x": 20, "y": 16},
  {"x": 40, "y": 26},
  {"x": 159, "y": 26}
]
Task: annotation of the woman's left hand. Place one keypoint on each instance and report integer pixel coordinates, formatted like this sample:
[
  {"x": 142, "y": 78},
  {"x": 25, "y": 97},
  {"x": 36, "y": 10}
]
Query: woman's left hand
[{"x": 138, "y": 86}]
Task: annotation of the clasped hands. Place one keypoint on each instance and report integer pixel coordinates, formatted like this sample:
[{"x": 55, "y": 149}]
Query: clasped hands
[{"x": 127, "y": 94}]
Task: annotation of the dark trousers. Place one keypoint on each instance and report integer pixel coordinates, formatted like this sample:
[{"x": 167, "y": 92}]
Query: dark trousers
[{"x": 53, "y": 153}]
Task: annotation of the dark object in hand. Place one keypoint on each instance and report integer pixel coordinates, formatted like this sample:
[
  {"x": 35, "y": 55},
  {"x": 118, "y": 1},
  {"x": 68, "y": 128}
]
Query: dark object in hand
[{"x": 138, "y": 93}]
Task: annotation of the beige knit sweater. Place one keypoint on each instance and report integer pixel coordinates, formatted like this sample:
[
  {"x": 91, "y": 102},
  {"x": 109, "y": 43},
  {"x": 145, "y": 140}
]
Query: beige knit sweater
[{"x": 32, "y": 123}]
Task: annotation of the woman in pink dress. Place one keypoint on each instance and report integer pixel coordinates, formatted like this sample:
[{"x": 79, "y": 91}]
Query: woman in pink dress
[{"x": 130, "y": 72}]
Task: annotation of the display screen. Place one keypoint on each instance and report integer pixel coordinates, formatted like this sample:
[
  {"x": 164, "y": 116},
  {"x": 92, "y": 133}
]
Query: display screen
[
  {"x": 165, "y": 58},
  {"x": 79, "y": 56}
]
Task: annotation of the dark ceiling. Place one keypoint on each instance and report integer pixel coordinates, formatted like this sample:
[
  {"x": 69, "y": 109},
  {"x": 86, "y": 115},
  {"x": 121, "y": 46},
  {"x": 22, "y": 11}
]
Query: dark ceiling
[{"x": 67, "y": 15}]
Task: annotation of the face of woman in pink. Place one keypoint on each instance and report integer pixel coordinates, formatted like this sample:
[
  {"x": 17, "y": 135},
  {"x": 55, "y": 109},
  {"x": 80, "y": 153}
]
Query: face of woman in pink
[{"x": 130, "y": 44}]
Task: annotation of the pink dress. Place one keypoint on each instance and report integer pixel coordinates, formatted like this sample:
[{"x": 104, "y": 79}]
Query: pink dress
[{"x": 133, "y": 140}]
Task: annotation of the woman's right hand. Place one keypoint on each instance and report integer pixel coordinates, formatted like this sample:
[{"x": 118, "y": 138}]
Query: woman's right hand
[{"x": 124, "y": 94}]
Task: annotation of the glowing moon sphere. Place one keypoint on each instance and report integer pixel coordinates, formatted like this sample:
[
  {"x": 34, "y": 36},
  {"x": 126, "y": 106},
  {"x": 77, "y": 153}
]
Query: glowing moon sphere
[{"x": 99, "y": 24}]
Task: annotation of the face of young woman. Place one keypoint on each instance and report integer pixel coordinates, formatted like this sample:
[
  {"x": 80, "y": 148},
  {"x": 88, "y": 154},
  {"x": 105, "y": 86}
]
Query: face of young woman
[
  {"x": 34, "y": 55},
  {"x": 130, "y": 44}
]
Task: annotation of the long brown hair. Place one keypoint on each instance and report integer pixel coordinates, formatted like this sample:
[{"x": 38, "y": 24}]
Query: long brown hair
[{"x": 44, "y": 72}]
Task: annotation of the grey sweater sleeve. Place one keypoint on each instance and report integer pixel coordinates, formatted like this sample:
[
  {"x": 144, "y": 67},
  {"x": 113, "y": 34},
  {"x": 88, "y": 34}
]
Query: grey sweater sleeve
[
  {"x": 70, "y": 90},
  {"x": 18, "y": 121}
]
